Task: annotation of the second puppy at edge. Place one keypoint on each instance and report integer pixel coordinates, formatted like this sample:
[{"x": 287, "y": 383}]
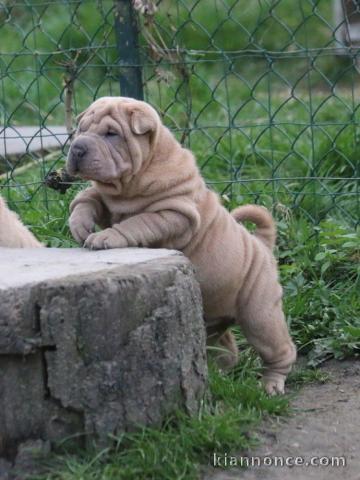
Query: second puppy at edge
[{"x": 13, "y": 233}]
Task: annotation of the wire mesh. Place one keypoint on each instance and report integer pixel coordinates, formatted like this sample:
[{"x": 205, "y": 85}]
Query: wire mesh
[{"x": 265, "y": 93}]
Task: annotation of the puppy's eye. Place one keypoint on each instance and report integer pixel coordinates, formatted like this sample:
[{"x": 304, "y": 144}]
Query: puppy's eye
[{"x": 111, "y": 133}]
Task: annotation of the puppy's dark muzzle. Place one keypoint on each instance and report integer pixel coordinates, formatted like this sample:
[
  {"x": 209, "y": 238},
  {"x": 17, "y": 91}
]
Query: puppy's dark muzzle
[{"x": 76, "y": 157}]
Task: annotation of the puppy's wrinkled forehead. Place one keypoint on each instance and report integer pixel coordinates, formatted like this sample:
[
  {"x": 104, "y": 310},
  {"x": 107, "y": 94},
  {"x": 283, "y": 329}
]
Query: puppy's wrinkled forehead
[
  {"x": 122, "y": 114},
  {"x": 100, "y": 114}
]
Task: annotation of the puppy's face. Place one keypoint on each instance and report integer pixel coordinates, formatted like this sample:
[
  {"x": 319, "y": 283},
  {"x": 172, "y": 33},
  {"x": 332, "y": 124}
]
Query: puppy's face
[{"x": 113, "y": 139}]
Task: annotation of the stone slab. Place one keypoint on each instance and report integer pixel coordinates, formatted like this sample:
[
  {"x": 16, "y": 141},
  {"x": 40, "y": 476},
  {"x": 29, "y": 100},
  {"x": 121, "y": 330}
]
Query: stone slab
[{"x": 93, "y": 344}]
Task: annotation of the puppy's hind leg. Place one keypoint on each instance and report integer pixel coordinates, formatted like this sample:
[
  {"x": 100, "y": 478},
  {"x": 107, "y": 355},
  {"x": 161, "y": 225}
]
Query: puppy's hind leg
[
  {"x": 225, "y": 351},
  {"x": 263, "y": 322}
]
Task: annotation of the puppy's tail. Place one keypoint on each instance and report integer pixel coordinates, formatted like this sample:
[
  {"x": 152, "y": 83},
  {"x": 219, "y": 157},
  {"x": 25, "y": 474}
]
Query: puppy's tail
[{"x": 265, "y": 225}]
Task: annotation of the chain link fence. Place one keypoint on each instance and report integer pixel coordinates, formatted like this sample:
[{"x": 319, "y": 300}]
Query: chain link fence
[{"x": 265, "y": 93}]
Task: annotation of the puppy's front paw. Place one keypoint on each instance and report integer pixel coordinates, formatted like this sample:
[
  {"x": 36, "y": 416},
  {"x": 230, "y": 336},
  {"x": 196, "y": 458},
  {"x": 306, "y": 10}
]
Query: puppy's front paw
[
  {"x": 108, "y": 238},
  {"x": 81, "y": 228}
]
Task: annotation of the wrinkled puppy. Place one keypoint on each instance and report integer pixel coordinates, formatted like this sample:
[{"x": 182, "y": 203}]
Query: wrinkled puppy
[
  {"x": 13, "y": 233},
  {"x": 147, "y": 192}
]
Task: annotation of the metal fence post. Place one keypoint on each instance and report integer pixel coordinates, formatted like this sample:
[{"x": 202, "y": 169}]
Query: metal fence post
[{"x": 127, "y": 44}]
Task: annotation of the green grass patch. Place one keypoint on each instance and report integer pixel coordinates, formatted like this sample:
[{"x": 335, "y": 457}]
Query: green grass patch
[
  {"x": 303, "y": 376},
  {"x": 320, "y": 272}
]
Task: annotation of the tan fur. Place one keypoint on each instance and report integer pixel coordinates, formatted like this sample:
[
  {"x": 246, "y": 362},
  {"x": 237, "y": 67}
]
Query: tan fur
[
  {"x": 265, "y": 225},
  {"x": 147, "y": 191},
  {"x": 12, "y": 232}
]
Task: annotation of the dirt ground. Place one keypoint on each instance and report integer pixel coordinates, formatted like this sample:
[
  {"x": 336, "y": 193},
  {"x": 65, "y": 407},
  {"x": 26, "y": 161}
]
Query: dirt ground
[{"x": 325, "y": 422}]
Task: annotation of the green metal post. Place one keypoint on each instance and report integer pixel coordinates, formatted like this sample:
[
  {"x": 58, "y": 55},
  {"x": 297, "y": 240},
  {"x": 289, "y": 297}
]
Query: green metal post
[{"x": 126, "y": 29}]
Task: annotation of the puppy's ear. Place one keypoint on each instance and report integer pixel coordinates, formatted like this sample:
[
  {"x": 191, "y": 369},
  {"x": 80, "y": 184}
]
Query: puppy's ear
[{"x": 142, "y": 121}]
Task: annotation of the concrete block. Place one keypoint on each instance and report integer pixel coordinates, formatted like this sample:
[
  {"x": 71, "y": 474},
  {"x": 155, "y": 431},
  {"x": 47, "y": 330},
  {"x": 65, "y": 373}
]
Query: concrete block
[{"x": 96, "y": 343}]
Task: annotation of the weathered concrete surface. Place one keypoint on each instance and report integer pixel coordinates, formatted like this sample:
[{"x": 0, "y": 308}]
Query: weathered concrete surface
[
  {"x": 94, "y": 343},
  {"x": 22, "y": 266},
  {"x": 18, "y": 140}
]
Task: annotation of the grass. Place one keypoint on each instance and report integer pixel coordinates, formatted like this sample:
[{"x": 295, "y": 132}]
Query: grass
[
  {"x": 293, "y": 146},
  {"x": 321, "y": 282}
]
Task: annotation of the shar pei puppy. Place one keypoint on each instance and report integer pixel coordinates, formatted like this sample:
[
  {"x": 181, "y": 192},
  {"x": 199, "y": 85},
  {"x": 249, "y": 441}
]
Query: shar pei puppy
[
  {"x": 13, "y": 233},
  {"x": 147, "y": 192}
]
